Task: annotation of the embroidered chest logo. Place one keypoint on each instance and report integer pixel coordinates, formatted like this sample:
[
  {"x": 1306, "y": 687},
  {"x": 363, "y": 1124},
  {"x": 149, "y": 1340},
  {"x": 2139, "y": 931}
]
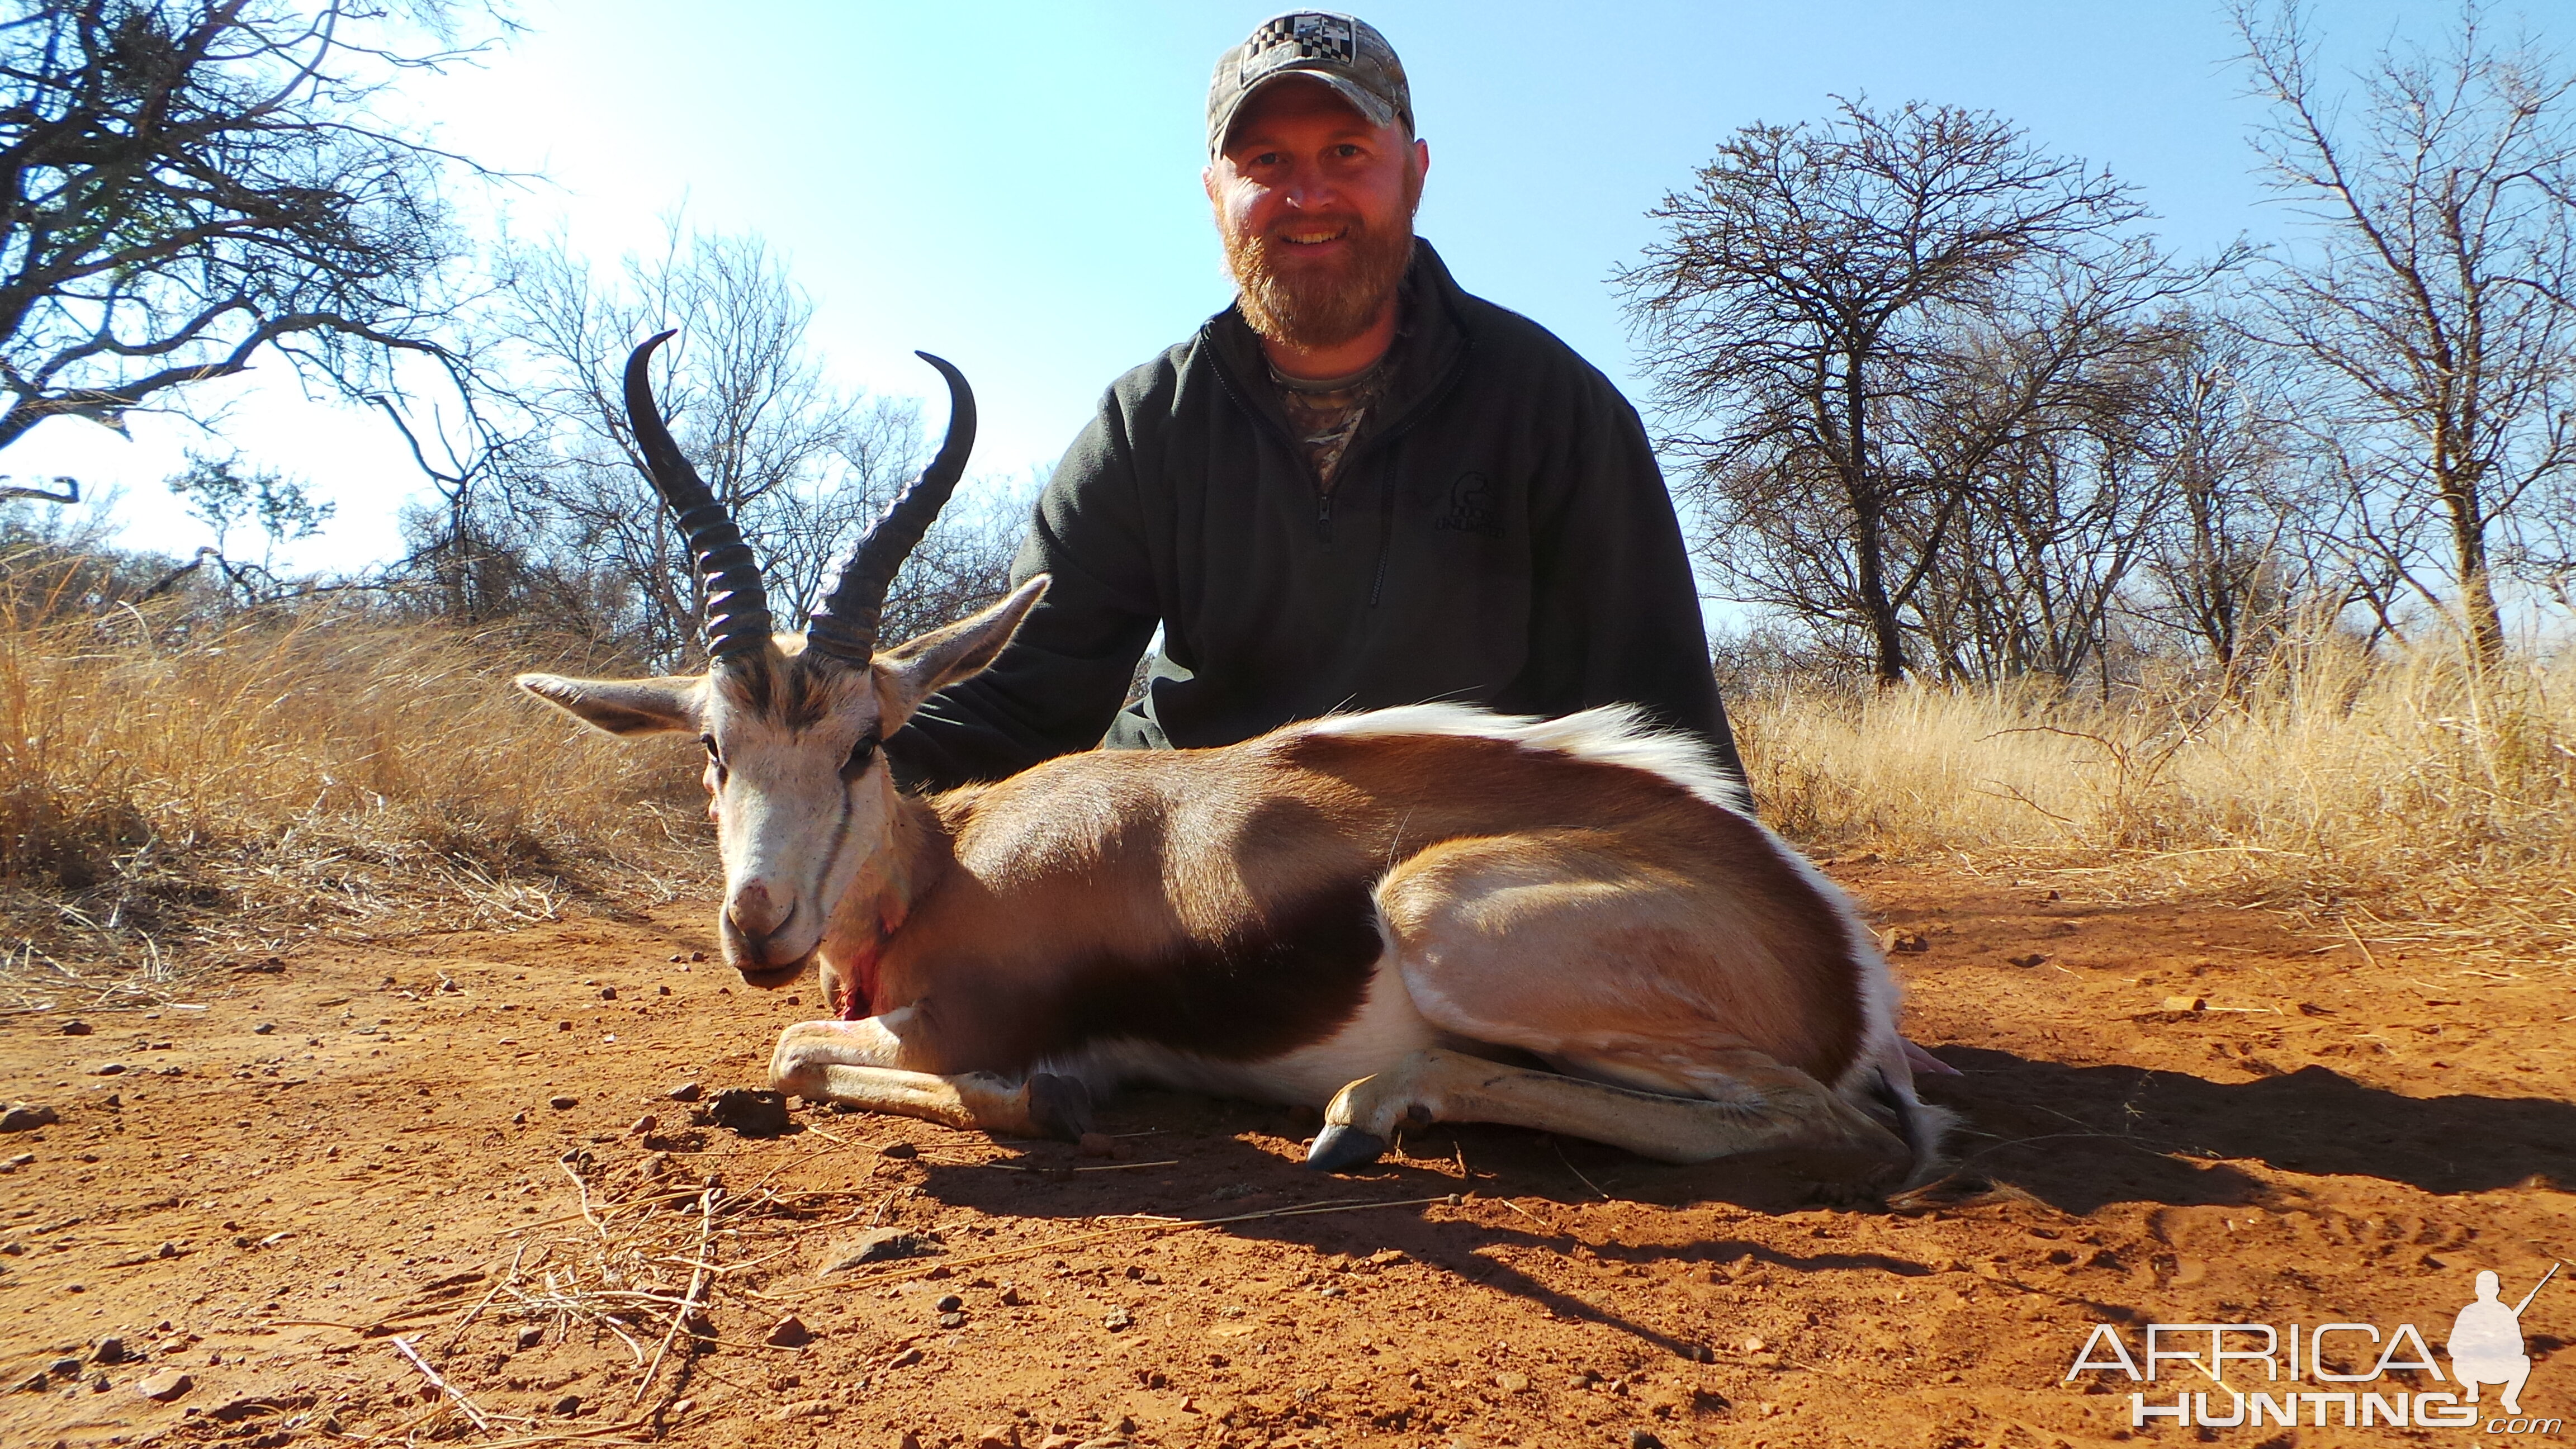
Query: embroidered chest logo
[{"x": 1471, "y": 508}]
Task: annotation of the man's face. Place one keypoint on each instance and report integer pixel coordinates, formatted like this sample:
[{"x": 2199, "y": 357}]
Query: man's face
[{"x": 1316, "y": 209}]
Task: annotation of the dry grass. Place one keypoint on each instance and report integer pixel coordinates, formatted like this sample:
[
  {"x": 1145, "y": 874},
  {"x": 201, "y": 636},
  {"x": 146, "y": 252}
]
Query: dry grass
[
  {"x": 176, "y": 795},
  {"x": 2404, "y": 788}
]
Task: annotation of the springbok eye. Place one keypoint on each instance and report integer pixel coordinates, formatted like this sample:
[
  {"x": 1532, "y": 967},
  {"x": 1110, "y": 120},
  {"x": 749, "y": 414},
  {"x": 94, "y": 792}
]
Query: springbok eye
[
  {"x": 862, "y": 755},
  {"x": 715, "y": 757}
]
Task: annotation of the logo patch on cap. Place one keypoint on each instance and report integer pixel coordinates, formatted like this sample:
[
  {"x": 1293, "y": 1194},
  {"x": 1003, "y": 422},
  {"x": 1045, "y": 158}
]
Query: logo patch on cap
[{"x": 1294, "y": 38}]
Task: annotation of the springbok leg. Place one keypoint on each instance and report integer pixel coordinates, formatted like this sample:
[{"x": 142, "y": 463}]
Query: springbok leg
[
  {"x": 1754, "y": 1103},
  {"x": 853, "y": 1062}
]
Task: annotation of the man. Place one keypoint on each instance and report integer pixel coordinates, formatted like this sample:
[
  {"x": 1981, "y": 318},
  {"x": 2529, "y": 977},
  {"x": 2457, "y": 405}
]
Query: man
[{"x": 1357, "y": 487}]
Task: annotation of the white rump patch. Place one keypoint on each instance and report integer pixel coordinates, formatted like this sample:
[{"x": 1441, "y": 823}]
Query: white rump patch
[{"x": 1613, "y": 734}]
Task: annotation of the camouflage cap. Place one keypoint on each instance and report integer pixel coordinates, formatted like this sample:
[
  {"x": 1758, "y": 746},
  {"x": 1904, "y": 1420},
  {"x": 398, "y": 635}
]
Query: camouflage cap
[{"x": 1343, "y": 51}]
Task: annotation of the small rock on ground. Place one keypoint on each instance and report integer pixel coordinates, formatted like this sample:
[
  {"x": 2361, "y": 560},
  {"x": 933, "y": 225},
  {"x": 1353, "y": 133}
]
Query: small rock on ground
[
  {"x": 876, "y": 1247},
  {"x": 750, "y": 1111},
  {"x": 164, "y": 1386}
]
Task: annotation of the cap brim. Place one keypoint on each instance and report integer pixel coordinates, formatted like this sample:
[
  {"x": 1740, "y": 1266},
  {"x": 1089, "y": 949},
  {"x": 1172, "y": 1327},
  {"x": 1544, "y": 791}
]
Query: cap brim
[{"x": 1375, "y": 110}]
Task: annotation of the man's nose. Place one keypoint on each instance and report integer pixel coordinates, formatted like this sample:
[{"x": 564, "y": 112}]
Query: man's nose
[{"x": 1307, "y": 189}]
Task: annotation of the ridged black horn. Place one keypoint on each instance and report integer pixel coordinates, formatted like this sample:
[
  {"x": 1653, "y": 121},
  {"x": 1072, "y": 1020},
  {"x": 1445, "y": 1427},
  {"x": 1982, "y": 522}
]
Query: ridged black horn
[
  {"x": 844, "y": 625},
  {"x": 737, "y": 606}
]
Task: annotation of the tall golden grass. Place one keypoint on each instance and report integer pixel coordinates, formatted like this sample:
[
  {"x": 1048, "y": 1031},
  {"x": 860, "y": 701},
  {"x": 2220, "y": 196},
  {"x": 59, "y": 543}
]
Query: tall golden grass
[
  {"x": 174, "y": 792},
  {"x": 2408, "y": 785}
]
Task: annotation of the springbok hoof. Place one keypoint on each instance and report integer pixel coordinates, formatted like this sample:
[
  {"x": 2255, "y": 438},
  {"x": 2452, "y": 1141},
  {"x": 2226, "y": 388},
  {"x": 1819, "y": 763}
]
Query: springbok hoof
[
  {"x": 1059, "y": 1105},
  {"x": 1338, "y": 1148}
]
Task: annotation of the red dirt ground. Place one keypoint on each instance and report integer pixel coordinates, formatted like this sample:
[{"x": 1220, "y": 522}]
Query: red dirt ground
[{"x": 352, "y": 1152}]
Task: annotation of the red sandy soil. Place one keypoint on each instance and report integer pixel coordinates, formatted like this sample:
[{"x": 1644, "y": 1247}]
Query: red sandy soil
[{"x": 322, "y": 1161}]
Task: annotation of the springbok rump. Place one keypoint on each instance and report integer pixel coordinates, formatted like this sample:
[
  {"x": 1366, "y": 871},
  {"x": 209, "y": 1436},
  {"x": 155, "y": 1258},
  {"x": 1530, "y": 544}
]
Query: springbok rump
[{"x": 1412, "y": 915}]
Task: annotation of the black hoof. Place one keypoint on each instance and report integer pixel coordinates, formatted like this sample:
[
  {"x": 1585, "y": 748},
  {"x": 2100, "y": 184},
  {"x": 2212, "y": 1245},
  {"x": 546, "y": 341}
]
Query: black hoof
[
  {"x": 1339, "y": 1148},
  {"x": 1061, "y": 1106}
]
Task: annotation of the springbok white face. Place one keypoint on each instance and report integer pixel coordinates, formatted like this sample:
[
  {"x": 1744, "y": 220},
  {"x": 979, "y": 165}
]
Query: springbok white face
[
  {"x": 797, "y": 781},
  {"x": 803, "y": 801}
]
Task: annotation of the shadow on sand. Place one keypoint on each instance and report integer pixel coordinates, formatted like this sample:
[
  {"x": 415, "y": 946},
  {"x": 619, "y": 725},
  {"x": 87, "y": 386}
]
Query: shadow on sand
[
  {"x": 2076, "y": 1138},
  {"x": 2080, "y": 1137}
]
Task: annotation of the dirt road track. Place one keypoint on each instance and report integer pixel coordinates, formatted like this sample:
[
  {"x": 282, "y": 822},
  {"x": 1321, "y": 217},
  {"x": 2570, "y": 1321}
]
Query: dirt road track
[{"x": 353, "y": 1150}]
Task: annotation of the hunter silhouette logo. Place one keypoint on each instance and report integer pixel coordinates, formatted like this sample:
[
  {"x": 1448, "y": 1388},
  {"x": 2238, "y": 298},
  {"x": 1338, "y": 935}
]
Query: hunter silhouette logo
[
  {"x": 2486, "y": 1341},
  {"x": 2485, "y": 1348}
]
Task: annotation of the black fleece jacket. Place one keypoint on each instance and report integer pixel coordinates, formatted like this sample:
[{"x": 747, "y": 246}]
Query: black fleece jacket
[{"x": 1498, "y": 534}]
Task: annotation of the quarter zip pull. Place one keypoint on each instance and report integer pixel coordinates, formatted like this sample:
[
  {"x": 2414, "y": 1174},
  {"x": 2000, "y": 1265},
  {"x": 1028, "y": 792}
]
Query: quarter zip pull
[{"x": 1324, "y": 515}]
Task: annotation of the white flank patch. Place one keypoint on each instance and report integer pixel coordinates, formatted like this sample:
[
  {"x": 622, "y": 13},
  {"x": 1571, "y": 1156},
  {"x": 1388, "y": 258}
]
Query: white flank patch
[{"x": 1611, "y": 734}]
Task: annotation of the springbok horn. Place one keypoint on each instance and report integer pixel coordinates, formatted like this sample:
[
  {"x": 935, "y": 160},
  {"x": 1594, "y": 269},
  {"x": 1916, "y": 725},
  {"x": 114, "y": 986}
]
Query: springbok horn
[
  {"x": 844, "y": 625},
  {"x": 737, "y": 606}
]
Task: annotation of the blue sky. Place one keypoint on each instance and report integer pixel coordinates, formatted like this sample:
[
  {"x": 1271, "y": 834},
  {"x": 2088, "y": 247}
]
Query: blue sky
[{"x": 1015, "y": 186}]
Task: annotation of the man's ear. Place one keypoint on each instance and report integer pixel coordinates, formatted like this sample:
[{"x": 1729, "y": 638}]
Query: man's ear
[
  {"x": 623, "y": 706},
  {"x": 912, "y": 671}
]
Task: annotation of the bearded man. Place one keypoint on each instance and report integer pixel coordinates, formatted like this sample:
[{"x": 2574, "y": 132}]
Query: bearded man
[{"x": 1356, "y": 487}]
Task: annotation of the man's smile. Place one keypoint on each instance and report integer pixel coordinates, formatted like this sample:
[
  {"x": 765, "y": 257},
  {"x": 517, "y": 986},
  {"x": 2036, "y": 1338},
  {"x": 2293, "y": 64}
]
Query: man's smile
[{"x": 1311, "y": 235}]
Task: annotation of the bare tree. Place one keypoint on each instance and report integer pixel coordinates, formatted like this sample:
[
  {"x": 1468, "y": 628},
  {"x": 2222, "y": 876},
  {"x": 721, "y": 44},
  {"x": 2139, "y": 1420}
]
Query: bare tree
[
  {"x": 462, "y": 544},
  {"x": 2438, "y": 287},
  {"x": 185, "y": 184},
  {"x": 1912, "y": 341},
  {"x": 2031, "y": 429},
  {"x": 2226, "y": 563},
  {"x": 1802, "y": 289}
]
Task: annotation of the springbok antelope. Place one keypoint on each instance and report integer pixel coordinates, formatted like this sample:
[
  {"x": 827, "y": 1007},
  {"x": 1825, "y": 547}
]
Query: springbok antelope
[{"x": 1412, "y": 915}]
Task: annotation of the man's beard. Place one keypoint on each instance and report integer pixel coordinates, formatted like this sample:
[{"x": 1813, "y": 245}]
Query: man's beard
[{"x": 1310, "y": 307}]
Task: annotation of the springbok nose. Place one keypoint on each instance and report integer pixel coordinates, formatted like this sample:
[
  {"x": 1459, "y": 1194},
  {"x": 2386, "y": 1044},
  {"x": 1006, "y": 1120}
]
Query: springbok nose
[{"x": 755, "y": 915}]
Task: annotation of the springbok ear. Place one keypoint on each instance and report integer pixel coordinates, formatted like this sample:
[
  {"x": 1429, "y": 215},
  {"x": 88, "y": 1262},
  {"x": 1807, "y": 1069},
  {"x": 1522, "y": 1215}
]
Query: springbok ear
[
  {"x": 912, "y": 671},
  {"x": 622, "y": 706}
]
